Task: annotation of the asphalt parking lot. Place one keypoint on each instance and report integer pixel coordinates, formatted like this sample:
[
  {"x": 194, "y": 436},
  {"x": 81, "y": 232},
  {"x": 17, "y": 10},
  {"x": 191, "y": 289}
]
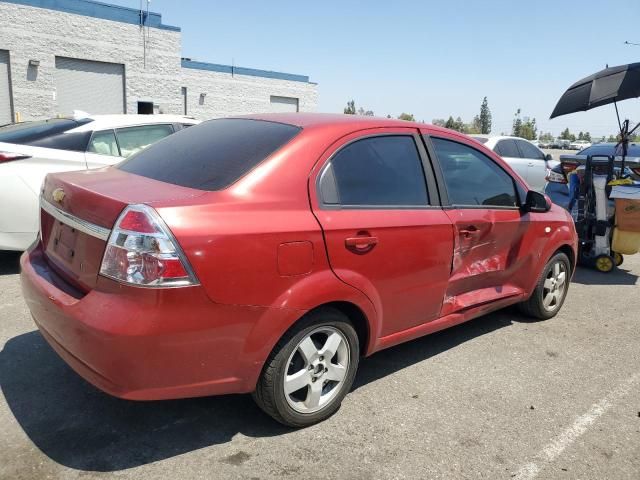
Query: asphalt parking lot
[{"x": 498, "y": 397}]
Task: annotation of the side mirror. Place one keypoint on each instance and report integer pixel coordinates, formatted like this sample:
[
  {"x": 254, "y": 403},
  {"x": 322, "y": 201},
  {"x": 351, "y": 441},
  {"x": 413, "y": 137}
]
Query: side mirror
[
  {"x": 548, "y": 157},
  {"x": 536, "y": 202}
]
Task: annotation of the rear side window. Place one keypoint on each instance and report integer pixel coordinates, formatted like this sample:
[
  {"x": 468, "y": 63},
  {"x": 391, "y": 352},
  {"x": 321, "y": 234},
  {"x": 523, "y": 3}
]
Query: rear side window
[
  {"x": 381, "y": 171},
  {"x": 472, "y": 178},
  {"x": 210, "y": 156},
  {"x": 28, "y": 133},
  {"x": 133, "y": 139},
  {"x": 529, "y": 151},
  {"x": 507, "y": 148},
  {"x": 104, "y": 143}
]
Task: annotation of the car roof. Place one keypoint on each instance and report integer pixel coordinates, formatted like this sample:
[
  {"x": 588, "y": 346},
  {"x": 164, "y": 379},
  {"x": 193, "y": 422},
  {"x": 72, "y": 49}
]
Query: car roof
[
  {"x": 125, "y": 120},
  {"x": 353, "y": 122}
]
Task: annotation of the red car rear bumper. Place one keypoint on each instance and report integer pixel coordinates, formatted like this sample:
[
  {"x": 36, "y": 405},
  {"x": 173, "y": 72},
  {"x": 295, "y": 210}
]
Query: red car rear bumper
[{"x": 147, "y": 344}]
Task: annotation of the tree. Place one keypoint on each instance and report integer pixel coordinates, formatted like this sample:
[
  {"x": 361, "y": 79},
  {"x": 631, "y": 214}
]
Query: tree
[
  {"x": 587, "y": 136},
  {"x": 612, "y": 138},
  {"x": 475, "y": 126},
  {"x": 546, "y": 137},
  {"x": 516, "y": 129},
  {"x": 567, "y": 135},
  {"x": 366, "y": 113},
  {"x": 524, "y": 128},
  {"x": 440, "y": 122},
  {"x": 484, "y": 120},
  {"x": 350, "y": 108},
  {"x": 406, "y": 116},
  {"x": 529, "y": 129}
]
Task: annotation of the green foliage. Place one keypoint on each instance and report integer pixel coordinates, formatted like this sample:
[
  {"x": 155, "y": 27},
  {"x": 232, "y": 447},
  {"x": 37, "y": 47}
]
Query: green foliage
[
  {"x": 546, "y": 137},
  {"x": 406, "y": 116},
  {"x": 567, "y": 135},
  {"x": 440, "y": 122},
  {"x": 457, "y": 124},
  {"x": 484, "y": 120},
  {"x": 526, "y": 129},
  {"x": 350, "y": 109},
  {"x": 366, "y": 113}
]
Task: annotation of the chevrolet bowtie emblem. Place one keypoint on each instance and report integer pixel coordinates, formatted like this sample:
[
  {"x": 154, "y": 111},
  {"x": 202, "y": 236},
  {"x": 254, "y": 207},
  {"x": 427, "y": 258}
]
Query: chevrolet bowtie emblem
[{"x": 58, "y": 195}]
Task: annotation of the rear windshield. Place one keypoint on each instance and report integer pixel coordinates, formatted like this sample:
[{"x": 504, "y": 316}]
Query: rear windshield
[
  {"x": 39, "y": 132},
  {"x": 210, "y": 156}
]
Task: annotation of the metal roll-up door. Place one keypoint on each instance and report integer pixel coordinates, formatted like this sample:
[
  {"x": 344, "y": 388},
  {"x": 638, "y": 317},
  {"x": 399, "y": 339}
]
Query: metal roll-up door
[
  {"x": 93, "y": 87},
  {"x": 5, "y": 90},
  {"x": 284, "y": 104}
]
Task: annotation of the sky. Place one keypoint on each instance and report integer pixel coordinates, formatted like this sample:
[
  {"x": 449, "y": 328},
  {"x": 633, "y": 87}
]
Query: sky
[{"x": 431, "y": 59}]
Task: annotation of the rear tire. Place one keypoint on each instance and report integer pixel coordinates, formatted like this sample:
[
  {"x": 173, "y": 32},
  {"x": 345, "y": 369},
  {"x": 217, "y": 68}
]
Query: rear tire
[
  {"x": 310, "y": 370},
  {"x": 548, "y": 296}
]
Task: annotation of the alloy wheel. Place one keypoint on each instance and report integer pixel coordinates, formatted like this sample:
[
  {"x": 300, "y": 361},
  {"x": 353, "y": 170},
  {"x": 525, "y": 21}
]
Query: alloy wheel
[
  {"x": 316, "y": 370},
  {"x": 555, "y": 286}
]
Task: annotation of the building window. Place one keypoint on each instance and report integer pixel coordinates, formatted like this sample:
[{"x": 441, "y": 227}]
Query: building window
[{"x": 184, "y": 99}]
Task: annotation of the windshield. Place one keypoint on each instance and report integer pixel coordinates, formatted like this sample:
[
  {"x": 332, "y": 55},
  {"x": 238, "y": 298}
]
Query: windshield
[
  {"x": 210, "y": 156},
  {"x": 28, "y": 133}
]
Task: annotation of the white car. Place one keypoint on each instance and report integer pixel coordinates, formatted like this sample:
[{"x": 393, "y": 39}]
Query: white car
[
  {"x": 524, "y": 157},
  {"x": 31, "y": 150},
  {"x": 579, "y": 145}
]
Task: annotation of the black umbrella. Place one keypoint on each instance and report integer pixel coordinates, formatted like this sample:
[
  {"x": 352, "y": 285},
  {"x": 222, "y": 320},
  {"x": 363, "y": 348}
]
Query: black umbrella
[{"x": 602, "y": 88}]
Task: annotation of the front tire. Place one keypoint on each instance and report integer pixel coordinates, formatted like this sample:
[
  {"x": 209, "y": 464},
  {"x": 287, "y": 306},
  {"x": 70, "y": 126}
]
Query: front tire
[
  {"x": 310, "y": 370},
  {"x": 551, "y": 290}
]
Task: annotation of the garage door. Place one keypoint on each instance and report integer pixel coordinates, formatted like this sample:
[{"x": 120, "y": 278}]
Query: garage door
[
  {"x": 5, "y": 95},
  {"x": 93, "y": 87},
  {"x": 284, "y": 104}
]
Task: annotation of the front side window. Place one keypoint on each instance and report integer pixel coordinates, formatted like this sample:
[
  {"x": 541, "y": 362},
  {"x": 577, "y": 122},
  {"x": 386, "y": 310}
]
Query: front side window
[
  {"x": 134, "y": 139},
  {"x": 378, "y": 171},
  {"x": 529, "y": 151},
  {"x": 507, "y": 148},
  {"x": 104, "y": 143},
  {"x": 472, "y": 178}
]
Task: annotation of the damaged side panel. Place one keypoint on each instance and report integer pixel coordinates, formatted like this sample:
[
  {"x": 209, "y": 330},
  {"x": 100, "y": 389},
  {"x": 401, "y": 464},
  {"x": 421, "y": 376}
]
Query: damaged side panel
[{"x": 487, "y": 258}]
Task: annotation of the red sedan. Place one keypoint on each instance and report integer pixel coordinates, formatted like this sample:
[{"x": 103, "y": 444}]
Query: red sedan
[{"x": 267, "y": 254}]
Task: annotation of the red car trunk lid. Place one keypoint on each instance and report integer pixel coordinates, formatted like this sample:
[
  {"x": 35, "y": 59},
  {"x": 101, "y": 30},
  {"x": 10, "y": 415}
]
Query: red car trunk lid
[{"x": 79, "y": 209}]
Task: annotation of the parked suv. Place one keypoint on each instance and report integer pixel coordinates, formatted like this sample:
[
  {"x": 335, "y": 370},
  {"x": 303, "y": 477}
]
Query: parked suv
[{"x": 268, "y": 254}]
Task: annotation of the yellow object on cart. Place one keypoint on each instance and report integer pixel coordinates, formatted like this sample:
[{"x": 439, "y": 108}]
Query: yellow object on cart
[
  {"x": 626, "y": 234},
  {"x": 626, "y": 243}
]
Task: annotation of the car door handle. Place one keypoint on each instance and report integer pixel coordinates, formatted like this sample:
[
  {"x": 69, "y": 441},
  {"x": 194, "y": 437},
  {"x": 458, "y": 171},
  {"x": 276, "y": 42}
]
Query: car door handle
[{"x": 361, "y": 244}]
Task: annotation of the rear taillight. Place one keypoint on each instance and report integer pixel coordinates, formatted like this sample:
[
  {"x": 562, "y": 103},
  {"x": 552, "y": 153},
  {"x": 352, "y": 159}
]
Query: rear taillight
[
  {"x": 10, "y": 156},
  {"x": 142, "y": 251},
  {"x": 555, "y": 177},
  {"x": 569, "y": 166}
]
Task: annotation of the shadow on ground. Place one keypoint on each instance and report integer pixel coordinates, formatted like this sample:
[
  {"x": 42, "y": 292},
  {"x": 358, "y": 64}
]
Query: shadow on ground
[
  {"x": 9, "y": 262},
  {"x": 82, "y": 428},
  {"x": 618, "y": 276}
]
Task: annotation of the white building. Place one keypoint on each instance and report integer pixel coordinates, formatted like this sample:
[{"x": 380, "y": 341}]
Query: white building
[{"x": 57, "y": 56}]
